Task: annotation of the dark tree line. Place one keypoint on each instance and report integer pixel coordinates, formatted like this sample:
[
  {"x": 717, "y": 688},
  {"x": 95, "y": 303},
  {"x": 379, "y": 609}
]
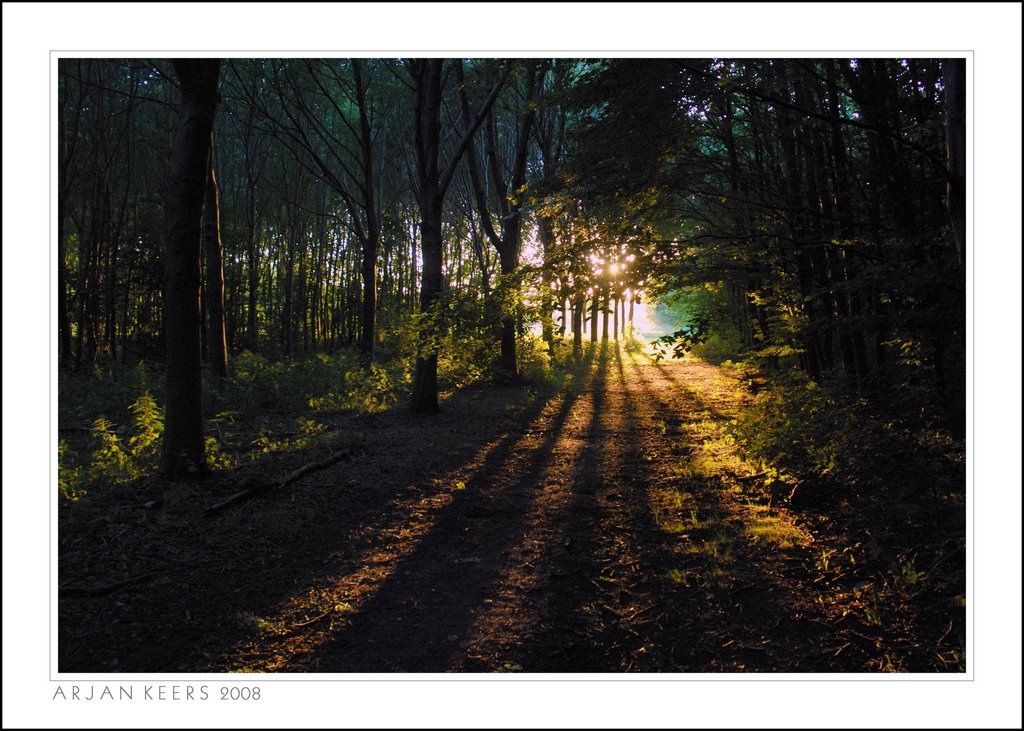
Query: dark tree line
[
  {"x": 290, "y": 205},
  {"x": 822, "y": 197}
]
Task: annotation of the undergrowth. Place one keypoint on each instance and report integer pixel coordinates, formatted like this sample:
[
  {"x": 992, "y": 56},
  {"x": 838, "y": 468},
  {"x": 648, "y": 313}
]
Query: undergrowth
[
  {"x": 111, "y": 423},
  {"x": 818, "y": 437}
]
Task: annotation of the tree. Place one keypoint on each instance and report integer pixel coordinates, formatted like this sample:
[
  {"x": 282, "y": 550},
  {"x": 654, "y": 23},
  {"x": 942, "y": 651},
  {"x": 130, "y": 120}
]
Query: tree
[
  {"x": 431, "y": 184},
  {"x": 507, "y": 178},
  {"x": 954, "y": 81},
  {"x": 217, "y": 347},
  {"x": 183, "y": 447}
]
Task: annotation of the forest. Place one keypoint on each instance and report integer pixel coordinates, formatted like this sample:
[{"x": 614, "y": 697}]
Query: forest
[{"x": 532, "y": 365}]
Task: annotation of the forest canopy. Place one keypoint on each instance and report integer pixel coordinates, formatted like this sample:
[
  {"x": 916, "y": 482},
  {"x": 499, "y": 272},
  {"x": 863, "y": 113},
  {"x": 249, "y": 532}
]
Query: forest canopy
[{"x": 436, "y": 217}]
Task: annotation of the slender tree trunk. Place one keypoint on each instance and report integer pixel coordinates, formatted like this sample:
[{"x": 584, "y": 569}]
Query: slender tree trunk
[
  {"x": 183, "y": 448},
  {"x": 954, "y": 80},
  {"x": 604, "y": 314},
  {"x": 63, "y": 317},
  {"x": 577, "y": 324},
  {"x": 288, "y": 313},
  {"x": 251, "y": 326},
  {"x": 216, "y": 343},
  {"x": 544, "y": 231},
  {"x": 368, "y": 329}
]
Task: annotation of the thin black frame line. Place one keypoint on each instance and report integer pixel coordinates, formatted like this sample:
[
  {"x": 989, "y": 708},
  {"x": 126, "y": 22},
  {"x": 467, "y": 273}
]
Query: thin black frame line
[
  {"x": 253, "y": 679},
  {"x": 968, "y": 673},
  {"x": 718, "y": 51}
]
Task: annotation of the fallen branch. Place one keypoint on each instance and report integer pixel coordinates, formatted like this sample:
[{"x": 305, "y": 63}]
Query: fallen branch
[
  {"x": 749, "y": 478},
  {"x": 262, "y": 487},
  {"x": 67, "y": 592}
]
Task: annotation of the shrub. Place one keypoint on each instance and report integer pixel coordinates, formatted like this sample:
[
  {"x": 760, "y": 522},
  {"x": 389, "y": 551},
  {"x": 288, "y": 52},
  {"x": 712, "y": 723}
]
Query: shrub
[
  {"x": 808, "y": 434},
  {"x": 796, "y": 428}
]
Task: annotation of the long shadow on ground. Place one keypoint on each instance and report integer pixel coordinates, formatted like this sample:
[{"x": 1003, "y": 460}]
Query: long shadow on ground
[{"x": 230, "y": 586}]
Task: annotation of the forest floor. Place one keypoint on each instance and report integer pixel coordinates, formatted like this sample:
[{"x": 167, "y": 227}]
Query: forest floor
[{"x": 610, "y": 526}]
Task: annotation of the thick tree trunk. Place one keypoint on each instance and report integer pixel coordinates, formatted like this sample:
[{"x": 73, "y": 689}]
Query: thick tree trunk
[
  {"x": 216, "y": 343},
  {"x": 424, "y": 384},
  {"x": 183, "y": 448},
  {"x": 431, "y": 183},
  {"x": 368, "y": 314},
  {"x": 507, "y": 363},
  {"x": 427, "y": 75},
  {"x": 577, "y": 324}
]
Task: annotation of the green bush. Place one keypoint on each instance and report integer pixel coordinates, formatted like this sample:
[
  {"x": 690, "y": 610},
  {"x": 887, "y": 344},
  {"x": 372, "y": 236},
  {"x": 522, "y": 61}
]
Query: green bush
[
  {"x": 322, "y": 382},
  {"x": 796, "y": 428},
  {"x": 806, "y": 434}
]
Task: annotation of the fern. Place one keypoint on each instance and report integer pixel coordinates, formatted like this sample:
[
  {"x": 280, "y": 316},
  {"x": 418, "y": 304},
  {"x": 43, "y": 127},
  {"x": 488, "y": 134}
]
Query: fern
[{"x": 149, "y": 426}]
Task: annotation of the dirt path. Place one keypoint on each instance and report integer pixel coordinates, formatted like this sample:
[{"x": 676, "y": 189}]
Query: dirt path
[
  {"x": 566, "y": 549},
  {"x": 603, "y": 530}
]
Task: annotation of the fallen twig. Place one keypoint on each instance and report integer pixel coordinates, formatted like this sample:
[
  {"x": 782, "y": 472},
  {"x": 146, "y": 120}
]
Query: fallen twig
[
  {"x": 311, "y": 621},
  {"x": 107, "y": 589},
  {"x": 749, "y": 478},
  {"x": 260, "y": 488}
]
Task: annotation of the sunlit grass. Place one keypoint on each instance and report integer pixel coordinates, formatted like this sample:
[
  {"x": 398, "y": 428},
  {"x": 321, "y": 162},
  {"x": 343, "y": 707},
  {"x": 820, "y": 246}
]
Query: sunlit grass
[
  {"x": 676, "y": 526},
  {"x": 776, "y": 529}
]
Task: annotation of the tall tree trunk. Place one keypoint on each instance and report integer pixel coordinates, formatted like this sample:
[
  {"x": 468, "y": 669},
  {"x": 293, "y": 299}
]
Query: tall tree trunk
[
  {"x": 288, "y": 313},
  {"x": 508, "y": 367},
  {"x": 431, "y": 184},
  {"x": 63, "y": 317},
  {"x": 577, "y": 323},
  {"x": 954, "y": 81},
  {"x": 604, "y": 313},
  {"x": 251, "y": 326},
  {"x": 428, "y": 78},
  {"x": 183, "y": 448},
  {"x": 216, "y": 343},
  {"x": 545, "y": 234},
  {"x": 508, "y": 205},
  {"x": 371, "y": 242}
]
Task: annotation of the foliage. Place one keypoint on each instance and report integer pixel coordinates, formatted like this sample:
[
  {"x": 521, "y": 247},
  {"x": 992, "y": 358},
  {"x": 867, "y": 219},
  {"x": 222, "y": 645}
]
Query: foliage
[
  {"x": 322, "y": 382},
  {"x": 808, "y": 436},
  {"x": 796, "y": 427},
  {"x": 682, "y": 341},
  {"x": 113, "y": 460},
  {"x": 123, "y": 440}
]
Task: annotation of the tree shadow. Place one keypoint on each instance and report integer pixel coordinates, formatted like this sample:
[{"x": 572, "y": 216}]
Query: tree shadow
[
  {"x": 221, "y": 582},
  {"x": 609, "y": 607},
  {"x": 420, "y": 618}
]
